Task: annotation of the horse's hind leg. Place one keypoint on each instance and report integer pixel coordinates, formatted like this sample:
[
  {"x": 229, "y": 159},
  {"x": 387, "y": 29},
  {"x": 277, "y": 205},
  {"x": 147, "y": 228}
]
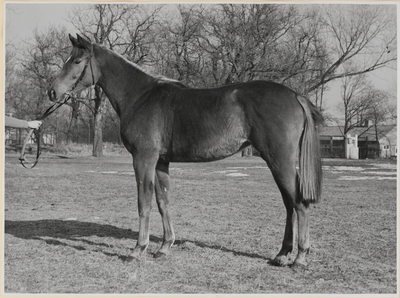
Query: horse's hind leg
[
  {"x": 285, "y": 177},
  {"x": 304, "y": 236},
  {"x": 287, "y": 180},
  {"x": 162, "y": 191},
  {"x": 290, "y": 233}
]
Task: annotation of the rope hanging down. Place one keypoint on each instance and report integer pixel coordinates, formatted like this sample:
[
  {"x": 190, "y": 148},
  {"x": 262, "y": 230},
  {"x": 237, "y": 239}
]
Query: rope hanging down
[{"x": 31, "y": 164}]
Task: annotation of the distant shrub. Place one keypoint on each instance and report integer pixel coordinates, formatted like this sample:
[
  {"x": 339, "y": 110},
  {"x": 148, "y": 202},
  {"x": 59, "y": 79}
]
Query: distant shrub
[{"x": 109, "y": 149}]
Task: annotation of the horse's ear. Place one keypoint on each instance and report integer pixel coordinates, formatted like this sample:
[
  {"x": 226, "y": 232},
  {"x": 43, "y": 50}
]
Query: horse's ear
[
  {"x": 85, "y": 43},
  {"x": 73, "y": 40}
]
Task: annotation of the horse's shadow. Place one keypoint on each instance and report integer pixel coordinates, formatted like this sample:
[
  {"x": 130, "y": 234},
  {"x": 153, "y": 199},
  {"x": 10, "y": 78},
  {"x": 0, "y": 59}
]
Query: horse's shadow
[{"x": 51, "y": 231}]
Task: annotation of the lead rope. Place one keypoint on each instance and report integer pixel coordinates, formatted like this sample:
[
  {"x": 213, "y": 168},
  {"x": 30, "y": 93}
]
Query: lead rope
[{"x": 31, "y": 164}]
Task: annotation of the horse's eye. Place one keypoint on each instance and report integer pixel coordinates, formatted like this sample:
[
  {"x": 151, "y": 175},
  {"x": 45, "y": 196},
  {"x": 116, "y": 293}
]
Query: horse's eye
[{"x": 77, "y": 61}]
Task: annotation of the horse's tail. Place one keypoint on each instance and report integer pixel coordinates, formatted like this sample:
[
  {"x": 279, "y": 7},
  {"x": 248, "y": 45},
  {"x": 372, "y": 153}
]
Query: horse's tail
[{"x": 310, "y": 172}]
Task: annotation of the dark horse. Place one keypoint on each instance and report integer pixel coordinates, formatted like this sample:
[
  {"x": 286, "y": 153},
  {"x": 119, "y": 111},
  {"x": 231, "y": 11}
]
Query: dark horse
[{"x": 164, "y": 121}]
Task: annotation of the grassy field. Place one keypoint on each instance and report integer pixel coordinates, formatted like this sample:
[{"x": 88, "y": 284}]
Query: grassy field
[{"x": 71, "y": 223}]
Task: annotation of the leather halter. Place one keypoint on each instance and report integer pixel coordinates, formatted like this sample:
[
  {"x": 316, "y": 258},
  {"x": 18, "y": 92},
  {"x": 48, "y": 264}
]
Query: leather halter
[
  {"x": 50, "y": 110},
  {"x": 88, "y": 62}
]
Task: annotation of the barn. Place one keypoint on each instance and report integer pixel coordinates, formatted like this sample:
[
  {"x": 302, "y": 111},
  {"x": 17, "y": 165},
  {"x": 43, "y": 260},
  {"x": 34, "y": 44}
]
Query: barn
[{"x": 374, "y": 141}]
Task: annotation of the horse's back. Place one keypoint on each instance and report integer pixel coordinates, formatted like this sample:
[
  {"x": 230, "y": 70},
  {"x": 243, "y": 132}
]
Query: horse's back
[{"x": 211, "y": 124}]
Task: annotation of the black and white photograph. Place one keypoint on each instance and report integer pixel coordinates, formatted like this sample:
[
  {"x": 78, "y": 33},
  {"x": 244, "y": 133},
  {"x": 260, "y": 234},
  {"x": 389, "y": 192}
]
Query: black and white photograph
[{"x": 200, "y": 148}]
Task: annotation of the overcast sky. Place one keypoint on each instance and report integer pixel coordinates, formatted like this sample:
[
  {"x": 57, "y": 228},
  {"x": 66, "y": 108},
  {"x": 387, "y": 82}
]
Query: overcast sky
[{"x": 23, "y": 18}]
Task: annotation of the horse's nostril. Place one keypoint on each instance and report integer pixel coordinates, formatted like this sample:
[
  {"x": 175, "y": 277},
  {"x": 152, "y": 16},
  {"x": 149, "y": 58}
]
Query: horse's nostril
[{"x": 52, "y": 94}]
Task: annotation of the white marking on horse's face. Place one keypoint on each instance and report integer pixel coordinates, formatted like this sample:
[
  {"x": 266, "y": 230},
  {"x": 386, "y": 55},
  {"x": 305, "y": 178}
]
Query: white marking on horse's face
[{"x": 69, "y": 58}]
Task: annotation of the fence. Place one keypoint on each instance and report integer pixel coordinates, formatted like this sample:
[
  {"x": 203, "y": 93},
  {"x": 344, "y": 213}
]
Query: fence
[
  {"x": 16, "y": 136},
  {"x": 332, "y": 147}
]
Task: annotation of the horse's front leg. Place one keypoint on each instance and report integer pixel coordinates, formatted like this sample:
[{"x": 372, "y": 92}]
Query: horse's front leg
[
  {"x": 162, "y": 191},
  {"x": 145, "y": 178}
]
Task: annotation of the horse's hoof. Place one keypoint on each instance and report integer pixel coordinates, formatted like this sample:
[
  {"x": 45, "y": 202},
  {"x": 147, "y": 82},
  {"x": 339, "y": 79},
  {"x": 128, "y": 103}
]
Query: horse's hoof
[
  {"x": 129, "y": 259},
  {"x": 299, "y": 265},
  {"x": 160, "y": 255},
  {"x": 280, "y": 261}
]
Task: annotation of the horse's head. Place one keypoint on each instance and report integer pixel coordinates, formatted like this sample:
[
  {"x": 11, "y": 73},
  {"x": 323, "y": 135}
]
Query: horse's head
[{"x": 79, "y": 72}]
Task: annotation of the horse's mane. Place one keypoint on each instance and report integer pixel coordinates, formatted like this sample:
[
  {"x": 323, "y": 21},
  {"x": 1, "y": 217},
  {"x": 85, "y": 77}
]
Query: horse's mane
[
  {"x": 158, "y": 78},
  {"x": 165, "y": 80}
]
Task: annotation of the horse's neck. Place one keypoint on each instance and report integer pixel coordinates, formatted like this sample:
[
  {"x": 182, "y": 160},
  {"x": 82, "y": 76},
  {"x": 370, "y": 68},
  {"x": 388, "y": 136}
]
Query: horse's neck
[{"x": 123, "y": 82}]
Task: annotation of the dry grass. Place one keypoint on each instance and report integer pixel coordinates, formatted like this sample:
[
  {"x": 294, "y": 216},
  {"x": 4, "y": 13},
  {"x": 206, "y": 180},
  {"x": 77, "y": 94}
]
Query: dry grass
[{"x": 71, "y": 223}]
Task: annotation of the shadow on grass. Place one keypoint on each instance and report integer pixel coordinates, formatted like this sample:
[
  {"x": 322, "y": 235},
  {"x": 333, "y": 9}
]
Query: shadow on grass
[{"x": 48, "y": 229}]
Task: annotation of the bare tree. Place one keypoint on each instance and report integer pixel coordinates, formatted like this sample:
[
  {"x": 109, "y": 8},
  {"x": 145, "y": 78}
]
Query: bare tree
[
  {"x": 360, "y": 38},
  {"x": 141, "y": 34},
  {"x": 31, "y": 71},
  {"x": 245, "y": 40},
  {"x": 362, "y": 103},
  {"x": 355, "y": 101},
  {"x": 176, "y": 50},
  {"x": 379, "y": 110},
  {"x": 219, "y": 44},
  {"x": 11, "y": 78}
]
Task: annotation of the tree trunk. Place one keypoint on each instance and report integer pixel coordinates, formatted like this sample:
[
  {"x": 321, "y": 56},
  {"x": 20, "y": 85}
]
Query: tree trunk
[
  {"x": 72, "y": 135},
  {"x": 72, "y": 132},
  {"x": 99, "y": 104}
]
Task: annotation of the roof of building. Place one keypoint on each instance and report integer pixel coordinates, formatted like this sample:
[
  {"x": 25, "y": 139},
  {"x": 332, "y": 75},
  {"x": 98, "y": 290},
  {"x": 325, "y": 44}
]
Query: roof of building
[
  {"x": 331, "y": 131},
  {"x": 361, "y": 131}
]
